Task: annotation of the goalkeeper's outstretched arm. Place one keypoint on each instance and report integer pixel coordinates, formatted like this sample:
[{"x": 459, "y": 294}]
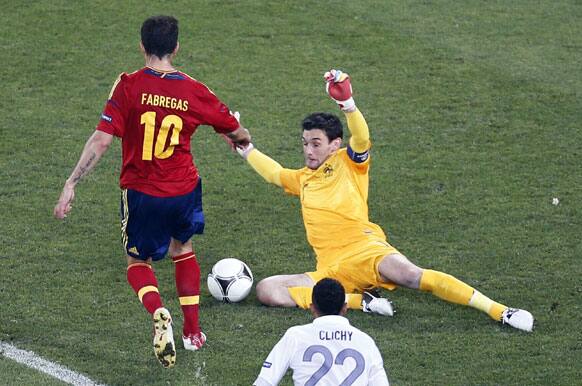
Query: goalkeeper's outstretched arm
[
  {"x": 338, "y": 86},
  {"x": 265, "y": 166},
  {"x": 360, "y": 134}
]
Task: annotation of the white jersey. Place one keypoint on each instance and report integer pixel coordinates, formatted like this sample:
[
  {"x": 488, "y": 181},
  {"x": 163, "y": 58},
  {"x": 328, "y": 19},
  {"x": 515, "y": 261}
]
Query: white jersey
[{"x": 328, "y": 351}]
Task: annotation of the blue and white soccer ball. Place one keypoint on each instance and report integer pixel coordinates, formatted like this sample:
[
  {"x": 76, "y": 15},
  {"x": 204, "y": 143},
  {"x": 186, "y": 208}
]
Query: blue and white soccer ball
[{"x": 230, "y": 280}]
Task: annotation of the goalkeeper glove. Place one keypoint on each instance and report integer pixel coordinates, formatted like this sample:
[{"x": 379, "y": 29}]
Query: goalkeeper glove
[
  {"x": 244, "y": 152},
  {"x": 231, "y": 143},
  {"x": 339, "y": 88}
]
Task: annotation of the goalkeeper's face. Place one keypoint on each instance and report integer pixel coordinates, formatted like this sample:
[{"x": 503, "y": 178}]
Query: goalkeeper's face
[{"x": 317, "y": 148}]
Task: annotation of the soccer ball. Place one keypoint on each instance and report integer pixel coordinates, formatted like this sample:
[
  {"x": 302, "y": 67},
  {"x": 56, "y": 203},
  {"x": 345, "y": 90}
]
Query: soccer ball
[{"x": 230, "y": 280}]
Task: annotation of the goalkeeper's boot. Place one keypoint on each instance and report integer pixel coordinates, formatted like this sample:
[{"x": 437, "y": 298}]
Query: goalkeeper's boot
[
  {"x": 372, "y": 302},
  {"x": 164, "y": 346},
  {"x": 193, "y": 342},
  {"x": 520, "y": 319}
]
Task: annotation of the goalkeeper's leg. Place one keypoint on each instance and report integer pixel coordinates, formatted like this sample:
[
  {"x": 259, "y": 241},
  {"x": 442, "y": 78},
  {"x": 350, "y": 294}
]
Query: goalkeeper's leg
[
  {"x": 275, "y": 291},
  {"x": 302, "y": 298},
  {"x": 398, "y": 269},
  {"x": 295, "y": 291}
]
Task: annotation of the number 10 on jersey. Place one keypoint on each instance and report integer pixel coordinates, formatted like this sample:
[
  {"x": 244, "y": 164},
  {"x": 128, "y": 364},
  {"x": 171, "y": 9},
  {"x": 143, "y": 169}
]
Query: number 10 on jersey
[{"x": 170, "y": 122}]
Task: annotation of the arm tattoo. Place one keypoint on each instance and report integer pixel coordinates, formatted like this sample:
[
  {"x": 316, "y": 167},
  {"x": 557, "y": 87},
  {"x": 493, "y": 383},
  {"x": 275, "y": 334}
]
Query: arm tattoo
[{"x": 84, "y": 169}]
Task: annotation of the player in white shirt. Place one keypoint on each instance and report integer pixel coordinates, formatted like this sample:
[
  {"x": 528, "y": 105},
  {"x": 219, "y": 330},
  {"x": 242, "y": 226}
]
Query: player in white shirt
[{"x": 328, "y": 351}]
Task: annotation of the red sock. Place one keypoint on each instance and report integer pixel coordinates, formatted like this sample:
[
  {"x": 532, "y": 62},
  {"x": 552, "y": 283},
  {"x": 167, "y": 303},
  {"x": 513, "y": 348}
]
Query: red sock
[
  {"x": 142, "y": 279},
  {"x": 188, "y": 286}
]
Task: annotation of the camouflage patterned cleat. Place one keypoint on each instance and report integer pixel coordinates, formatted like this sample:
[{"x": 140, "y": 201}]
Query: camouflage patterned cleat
[{"x": 164, "y": 346}]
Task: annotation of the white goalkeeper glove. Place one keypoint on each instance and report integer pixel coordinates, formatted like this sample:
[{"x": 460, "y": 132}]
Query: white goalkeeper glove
[
  {"x": 244, "y": 152},
  {"x": 339, "y": 88},
  {"x": 228, "y": 139}
]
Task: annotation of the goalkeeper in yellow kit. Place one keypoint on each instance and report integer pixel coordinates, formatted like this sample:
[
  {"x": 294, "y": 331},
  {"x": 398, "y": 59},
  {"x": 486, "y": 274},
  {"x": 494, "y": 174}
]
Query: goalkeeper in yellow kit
[{"x": 333, "y": 189}]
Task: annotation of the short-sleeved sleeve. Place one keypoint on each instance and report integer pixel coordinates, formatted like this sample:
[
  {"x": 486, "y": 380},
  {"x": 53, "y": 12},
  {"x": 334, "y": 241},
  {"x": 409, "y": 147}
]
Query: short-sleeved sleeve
[
  {"x": 113, "y": 116},
  {"x": 216, "y": 113},
  {"x": 377, "y": 375},
  {"x": 290, "y": 181},
  {"x": 277, "y": 362}
]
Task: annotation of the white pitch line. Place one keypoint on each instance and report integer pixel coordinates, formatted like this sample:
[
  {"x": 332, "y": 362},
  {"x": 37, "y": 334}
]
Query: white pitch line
[{"x": 30, "y": 359}]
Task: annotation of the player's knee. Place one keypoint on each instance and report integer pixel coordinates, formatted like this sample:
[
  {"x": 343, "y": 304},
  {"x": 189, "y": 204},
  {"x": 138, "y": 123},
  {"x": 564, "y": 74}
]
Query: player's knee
[
  {"x": 264, "y": 292},
  {"x": 411, "y": 277},
  {"x": 178, "y": 248},
  {"x": 271, "y": 292},
  {"x": 398, "y": 269}
]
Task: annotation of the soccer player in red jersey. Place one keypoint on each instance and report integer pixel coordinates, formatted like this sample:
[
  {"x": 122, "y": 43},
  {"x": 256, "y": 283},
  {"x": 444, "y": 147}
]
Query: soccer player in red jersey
[{"x": 155, "y": 111}]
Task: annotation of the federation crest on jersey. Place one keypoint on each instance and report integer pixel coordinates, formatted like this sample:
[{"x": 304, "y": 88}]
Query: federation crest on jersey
[{"x": 327, "y": 170}]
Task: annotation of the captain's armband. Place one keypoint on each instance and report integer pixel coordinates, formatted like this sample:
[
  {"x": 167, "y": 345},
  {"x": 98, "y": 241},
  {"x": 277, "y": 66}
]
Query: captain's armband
[{"x": 358, "y": 157}]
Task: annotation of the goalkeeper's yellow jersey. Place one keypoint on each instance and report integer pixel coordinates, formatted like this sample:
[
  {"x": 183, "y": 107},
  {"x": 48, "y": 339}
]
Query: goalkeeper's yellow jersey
[
  {"x": 334, "y": 202},
  {"x": 334, "y": 198}
]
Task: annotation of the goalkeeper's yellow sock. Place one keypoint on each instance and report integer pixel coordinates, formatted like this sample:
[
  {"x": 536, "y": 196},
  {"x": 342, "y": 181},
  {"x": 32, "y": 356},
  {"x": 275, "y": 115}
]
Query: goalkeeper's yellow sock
[
  {"x": 354, "y": 301},
  {"x": 453, "y": 290},
  {"x": 302, "y": 297},
  {"x": 483, "y": 303}
]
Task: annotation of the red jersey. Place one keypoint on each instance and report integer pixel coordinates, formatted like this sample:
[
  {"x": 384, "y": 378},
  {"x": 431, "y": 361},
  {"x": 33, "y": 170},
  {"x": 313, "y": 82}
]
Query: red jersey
[{"x": 155, "y": 114}]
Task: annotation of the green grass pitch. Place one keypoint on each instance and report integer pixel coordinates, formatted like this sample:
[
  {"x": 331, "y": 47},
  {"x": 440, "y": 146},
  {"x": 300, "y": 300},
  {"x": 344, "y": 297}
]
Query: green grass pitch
[{"x": 475, "y": 112}]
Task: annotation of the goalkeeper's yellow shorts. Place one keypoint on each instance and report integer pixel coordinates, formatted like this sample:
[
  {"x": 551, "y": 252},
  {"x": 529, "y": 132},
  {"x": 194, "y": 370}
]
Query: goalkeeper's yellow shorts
[{"x": 356, "y": 268}]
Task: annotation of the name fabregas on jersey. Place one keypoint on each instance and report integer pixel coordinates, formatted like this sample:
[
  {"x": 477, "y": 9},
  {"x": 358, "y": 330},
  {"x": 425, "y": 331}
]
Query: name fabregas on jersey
[{"x": 164, "y": 101}]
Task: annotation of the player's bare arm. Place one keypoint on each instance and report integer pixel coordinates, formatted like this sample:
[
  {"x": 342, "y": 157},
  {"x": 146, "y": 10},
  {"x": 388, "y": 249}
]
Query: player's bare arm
[{"x": 94, "y": 148}]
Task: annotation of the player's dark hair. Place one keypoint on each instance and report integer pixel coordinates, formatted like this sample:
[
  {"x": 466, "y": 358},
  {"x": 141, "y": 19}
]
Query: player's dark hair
[
  {"x": 329, "y": 123},
  {"x": 328, "y": 297},
  {"x": 159, "y": 35}
]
